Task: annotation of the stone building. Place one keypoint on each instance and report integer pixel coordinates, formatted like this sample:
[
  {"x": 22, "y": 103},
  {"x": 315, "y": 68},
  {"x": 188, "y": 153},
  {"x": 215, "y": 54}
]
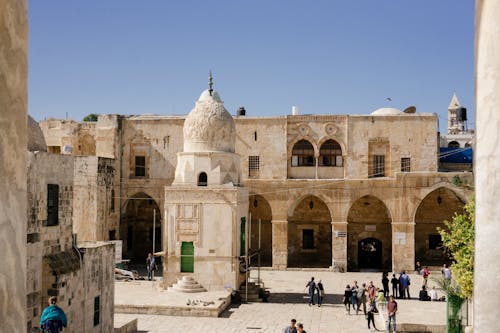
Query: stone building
[
  {"x": 80, "y": 275},
  {"x": 335, "y": 191}
]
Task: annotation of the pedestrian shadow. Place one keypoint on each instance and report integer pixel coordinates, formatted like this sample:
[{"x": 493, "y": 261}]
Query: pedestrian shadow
[
  {"x": 303, "y": 298},
  {"x": 228, "y": 312}
]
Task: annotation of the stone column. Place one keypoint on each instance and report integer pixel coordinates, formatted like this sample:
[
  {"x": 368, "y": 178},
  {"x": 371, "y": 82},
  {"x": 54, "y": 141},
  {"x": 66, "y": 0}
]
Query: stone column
[
  {"x": 280, "y": 243},
  {"x": 339, "y": 246},
  {"x": 487, "y": 166},
  {"x": 403, "y": 246},
  {"x": 13, "y": 151}
]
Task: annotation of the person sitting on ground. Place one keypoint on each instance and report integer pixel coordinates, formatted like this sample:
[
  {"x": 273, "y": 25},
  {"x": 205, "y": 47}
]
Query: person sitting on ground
[
  {"x": 292, "y": 328},
  {"x": 300, "y": 328},
  {"x": 53, "y": 318},
  {"x": 433, "y": 293},
  {"x": 423, "y": 296}
]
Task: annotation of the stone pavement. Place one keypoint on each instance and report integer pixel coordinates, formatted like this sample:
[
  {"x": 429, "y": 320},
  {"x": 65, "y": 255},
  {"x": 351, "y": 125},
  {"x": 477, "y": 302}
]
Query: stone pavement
[{"x": 289, "y": 300}]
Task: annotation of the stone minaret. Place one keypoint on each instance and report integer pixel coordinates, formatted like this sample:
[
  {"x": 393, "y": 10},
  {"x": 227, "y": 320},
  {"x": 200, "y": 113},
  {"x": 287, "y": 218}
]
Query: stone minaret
[{"x": 454, "y": 126}]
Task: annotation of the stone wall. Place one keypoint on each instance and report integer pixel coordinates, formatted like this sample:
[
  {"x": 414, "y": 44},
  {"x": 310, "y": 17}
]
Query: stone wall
[
  {"x": 94, "y": 213},
  {"x": 13, "y": 145}
]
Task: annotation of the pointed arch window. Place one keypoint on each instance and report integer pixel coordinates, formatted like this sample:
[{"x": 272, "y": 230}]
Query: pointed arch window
[
  {"x": 303, "y": 154},
  {"x": 202, "y": 179},
  {"x": 330, "y": 154}
]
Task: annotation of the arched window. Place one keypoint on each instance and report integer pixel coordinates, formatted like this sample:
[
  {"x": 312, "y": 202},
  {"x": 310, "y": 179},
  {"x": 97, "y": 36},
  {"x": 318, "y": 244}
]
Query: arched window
[
  {"x": 202, "y": 179},
  {"x": 467, "y": 145},
  {"x": 453, "y": 144},
  {"x": 330, "y": 154},
  {"x": 303, "y": 154}
]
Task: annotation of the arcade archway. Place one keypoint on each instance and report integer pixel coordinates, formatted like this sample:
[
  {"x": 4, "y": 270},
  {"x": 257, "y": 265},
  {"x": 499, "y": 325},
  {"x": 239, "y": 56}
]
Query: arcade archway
[
  {"x": 369, "y": 235},
  {"x": 310, "y": 234},
  {"x": 438, "y": 206},
  {"x": 260, "y": 210},
  {"x": 136, "y": 227}
]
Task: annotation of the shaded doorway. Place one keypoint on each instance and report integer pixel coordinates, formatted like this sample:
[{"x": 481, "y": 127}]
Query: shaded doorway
[
  {"x": 310, "y": 234},
  {"x": 437, "y": 206},
  {"x": 136, "y": 228},
  {"x": 369, "y": 219},
  {"x": 260, "y": 210},
  {"x": 370, "y": 254}
]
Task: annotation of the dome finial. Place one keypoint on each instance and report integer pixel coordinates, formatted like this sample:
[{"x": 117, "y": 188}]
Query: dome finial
[{"x": 210, "y": 83}]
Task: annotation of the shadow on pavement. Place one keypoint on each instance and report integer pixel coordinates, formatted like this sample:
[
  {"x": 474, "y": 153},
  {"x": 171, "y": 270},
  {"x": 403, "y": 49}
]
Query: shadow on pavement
[{"x": 303, "y": 298}]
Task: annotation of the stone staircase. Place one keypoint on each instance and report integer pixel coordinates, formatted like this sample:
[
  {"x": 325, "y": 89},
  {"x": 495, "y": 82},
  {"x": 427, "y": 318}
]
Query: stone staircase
[
  {"x": 253, "y": 292},
  {"x": 187, "y": 285}
]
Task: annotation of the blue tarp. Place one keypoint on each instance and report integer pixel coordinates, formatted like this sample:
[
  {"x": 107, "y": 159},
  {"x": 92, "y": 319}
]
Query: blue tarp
[{"x": 455, "y": 155}]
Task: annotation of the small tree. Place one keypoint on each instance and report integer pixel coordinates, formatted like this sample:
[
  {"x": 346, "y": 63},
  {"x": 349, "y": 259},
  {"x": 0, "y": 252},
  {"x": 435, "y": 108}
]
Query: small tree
[
  {"x": 91, "y": 117},
  {"x": 458, "y": 238}
]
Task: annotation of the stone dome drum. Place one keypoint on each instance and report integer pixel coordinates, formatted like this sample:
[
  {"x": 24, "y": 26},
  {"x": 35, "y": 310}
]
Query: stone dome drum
[{"x": 209, "y": 126}]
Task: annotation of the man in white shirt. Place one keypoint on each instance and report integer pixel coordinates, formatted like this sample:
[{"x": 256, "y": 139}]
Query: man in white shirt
[{"x": 433, "y": 293}]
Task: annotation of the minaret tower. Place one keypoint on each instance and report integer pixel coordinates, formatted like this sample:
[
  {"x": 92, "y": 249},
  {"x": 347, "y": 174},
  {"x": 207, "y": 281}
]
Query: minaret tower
[{"x": 454, "y": 126}]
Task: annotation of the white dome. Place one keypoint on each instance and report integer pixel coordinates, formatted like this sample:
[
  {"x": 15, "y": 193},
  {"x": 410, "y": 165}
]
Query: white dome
[
  {"x": 387, "y": 112},
  {"x": 209, "y": 126}
]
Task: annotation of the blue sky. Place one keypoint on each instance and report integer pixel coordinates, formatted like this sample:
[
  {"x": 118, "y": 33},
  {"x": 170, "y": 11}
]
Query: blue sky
[{"x": 326, "y": 57}]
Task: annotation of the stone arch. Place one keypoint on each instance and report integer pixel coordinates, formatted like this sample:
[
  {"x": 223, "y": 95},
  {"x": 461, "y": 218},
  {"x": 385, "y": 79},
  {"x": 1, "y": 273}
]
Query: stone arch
[
  {"x": 303, "y": 154},
  {"x": 453, "y": 144},
  {"x": 136, "y": 227},
  {"x": 437, "y": 206},
  {"x": 300, "y": 138},
  {"x": 261, "y": 211},
  {"x": 336, "y": 139},
  {"x": 369, "y": 235},
  {"x": 310, "y": 233}
]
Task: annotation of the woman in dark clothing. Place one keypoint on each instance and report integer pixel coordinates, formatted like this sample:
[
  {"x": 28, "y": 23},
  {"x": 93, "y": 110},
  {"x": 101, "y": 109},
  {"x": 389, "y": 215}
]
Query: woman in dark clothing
[
  {"x": 347, "y": 299},
  {"x": 369, "y": 315},
  {"x": 385, "y": 283}
]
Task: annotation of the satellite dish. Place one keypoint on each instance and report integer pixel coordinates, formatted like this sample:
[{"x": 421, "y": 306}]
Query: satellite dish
[{"x": 410, "y": 109}]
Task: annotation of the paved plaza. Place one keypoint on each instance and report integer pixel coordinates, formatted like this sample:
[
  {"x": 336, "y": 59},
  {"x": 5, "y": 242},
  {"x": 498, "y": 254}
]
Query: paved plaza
[{"x": 288, "y": 300}]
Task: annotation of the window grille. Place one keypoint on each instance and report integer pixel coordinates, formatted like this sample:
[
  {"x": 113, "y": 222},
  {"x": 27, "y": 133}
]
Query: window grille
[
  {"x": 405, "y": 164},
  {"x": 378, "y": 166},
  {"x": 330, "y": 154},
  {"x": 140, "y": 166},
  {"x": 253, "y": 166}
]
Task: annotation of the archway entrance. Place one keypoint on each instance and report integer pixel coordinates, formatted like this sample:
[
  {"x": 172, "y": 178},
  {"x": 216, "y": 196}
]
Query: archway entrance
[
  {"x": 310, "y": 234},
  {"x": 261, "y": 211},
  {"x": 369, "y": 235},
  {"x": 438, "y": 206},
  {"x": 369, "y": 253},
  {"x": 136, "y": 228}
]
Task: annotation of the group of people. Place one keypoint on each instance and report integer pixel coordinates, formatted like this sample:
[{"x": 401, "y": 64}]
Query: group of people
[
  {"x": 400, "y": 285},
  {"x": 315, "y": 289},
  {"x": 367, "y": 297},
  {"x": 294, "y": 327}
]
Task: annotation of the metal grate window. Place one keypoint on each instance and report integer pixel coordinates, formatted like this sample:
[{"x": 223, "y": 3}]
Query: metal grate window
[
  {"x": 52, "y": 204},
  {"x": 378, "y": 166},
  {"x": 405, "y": 164},
  {"x": 253, "y": 166},
  {"x": 140, "y": 166}
]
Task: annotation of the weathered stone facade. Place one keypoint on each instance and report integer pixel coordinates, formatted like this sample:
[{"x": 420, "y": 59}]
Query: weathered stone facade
[
  {"x": 56, "y": 266},
  {"x": 13, "y": 119},
  {"x": 326, "y": 188}
]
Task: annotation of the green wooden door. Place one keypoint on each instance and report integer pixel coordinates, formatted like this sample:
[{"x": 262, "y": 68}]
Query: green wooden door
[{"x": 187, "y": 257}]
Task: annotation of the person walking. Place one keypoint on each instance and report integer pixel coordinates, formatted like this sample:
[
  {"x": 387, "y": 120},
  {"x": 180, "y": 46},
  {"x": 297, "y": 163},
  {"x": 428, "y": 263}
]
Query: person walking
[
  {"x": 395, "y": 285},
  {"x": 372, "y": 309},
  {"x": 312, "y": 289},
  {"x": 392, "y": 308},
  {"x": 425, "y": 276},
  {"x": 150, "y": 265},
  {"x": 347, "y": 299},
  {"x": 354, "y": 296},
  {"x": 447, "y": 272},
  {"x": 300, "y": 328},
  {"x": 321, "y": 293},
  {"x": 292, "y": 328},
  {"x": 53, "y": 318},
  {"x": 362, "y": 297},
  {"x": 371, "y": 291},
  {"x": 385, "y": 283}
]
